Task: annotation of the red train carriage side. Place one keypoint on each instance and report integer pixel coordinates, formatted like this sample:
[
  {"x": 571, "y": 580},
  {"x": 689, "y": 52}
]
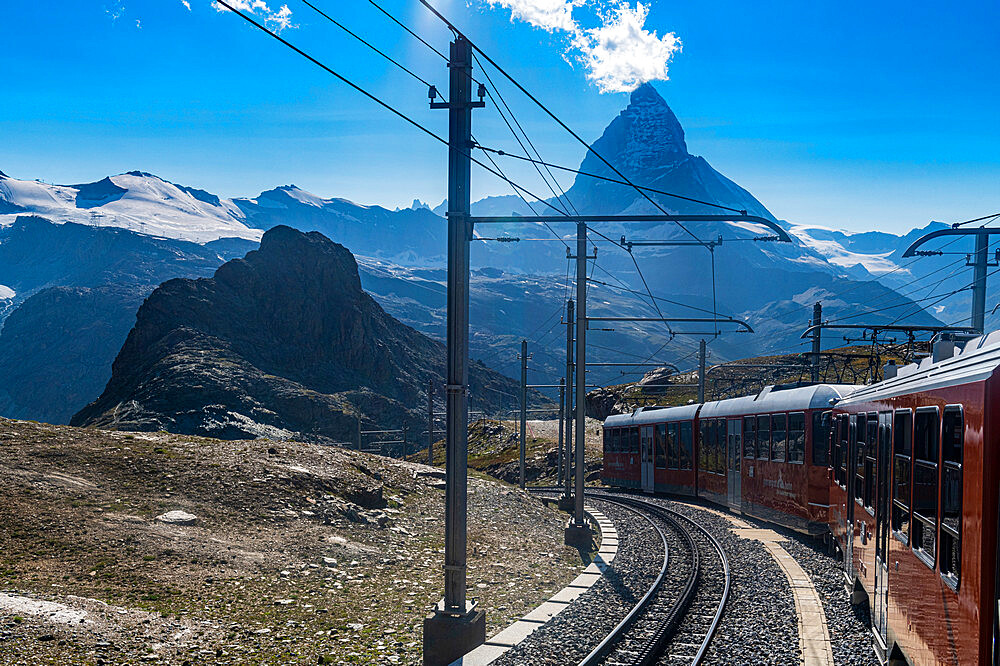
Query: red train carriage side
[
  {"x": 651, "y": 449},
  {"x": 766, "y": 455},
  {"x": 915, "y": 498},
  {"x": 753, "y": 454}
]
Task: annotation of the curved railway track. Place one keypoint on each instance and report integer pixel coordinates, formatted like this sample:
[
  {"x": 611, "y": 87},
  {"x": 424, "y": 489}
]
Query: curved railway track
[{"x": 675, "y": 620}]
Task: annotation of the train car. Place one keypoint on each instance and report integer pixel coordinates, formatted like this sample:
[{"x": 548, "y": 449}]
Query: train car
[
  {"x": 766, "y": 455},
  {"x": 651, "y": 449},
  {"x": 915, "y": 505},
  {"x": 754, "y": 454}
]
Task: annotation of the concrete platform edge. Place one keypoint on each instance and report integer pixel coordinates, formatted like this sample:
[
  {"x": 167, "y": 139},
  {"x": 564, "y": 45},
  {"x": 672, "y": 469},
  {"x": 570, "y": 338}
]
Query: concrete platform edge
[{"x": 496, "y": 645}]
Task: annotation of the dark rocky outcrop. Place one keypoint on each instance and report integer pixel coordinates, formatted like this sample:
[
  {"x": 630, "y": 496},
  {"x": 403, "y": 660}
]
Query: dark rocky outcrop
[{"x": 282, "y": 343}]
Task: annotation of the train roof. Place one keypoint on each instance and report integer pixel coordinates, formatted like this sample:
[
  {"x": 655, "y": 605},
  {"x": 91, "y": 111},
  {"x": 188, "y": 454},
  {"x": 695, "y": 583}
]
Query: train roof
[
  {"x": 773, "y": 399},
  {"x": 645, "y": 415},
  {"x": 976, "y": 362},
  {"x": 770, "y": 399}
]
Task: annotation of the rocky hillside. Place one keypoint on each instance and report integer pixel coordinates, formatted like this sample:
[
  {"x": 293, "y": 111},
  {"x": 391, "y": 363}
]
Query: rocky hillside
[
  {"x": 282, "y": 343},
  {"x": 289, "y": 553}
]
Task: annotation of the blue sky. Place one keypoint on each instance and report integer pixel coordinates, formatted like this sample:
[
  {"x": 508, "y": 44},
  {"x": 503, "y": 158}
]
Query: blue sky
[{"x": 857, "y": 115}]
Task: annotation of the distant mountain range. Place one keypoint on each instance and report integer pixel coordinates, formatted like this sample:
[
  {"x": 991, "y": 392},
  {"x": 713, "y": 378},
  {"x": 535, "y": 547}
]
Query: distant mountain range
[{"x": 105, "y": 246}]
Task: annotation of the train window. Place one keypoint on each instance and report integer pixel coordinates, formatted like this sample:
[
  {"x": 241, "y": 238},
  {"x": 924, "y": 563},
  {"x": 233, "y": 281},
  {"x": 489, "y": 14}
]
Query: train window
[
  {"x": 952, "y": 440},
  {"x": 872, "y": 437},
  {"x": 820, "y": 438},
  {"x": 901, "y": 448},
  {"x": 723, "y": 446},
  {"x": 660, "y": 446},
  {"x": 797, "y": 438},
  {"x": 871, "y": 462},
  {"x": 672, "y": 446},
  {"x": 857, "y": 437},
  {"x": 925, "y": 483},
  {"x": 703, "y": 446},
  {"x": 713, "y": 446},
  {"x": 615, "y": 439},
  {"x": 607, "y": 440},
  {"x": 763, "y": 437},
  {"x": 685, "y": 432},
  {"x": 843, "y": 452},
  {"x": 835, "y": 448},
  {"x": 720, "y": 446},
  {"x": 749, "y": 437},
  {"x": 778, "y": 438}
]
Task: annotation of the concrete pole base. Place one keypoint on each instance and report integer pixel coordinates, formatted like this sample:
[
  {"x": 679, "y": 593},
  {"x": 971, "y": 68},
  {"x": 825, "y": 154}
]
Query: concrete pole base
[
  {"x": 579, "y": 535},
  {"x": 448, "y": 637},
  {"x": 567, "y": 503}
]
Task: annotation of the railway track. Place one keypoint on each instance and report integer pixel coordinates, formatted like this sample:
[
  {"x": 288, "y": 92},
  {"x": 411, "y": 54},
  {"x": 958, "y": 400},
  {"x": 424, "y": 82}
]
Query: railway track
[{"x": 675, "y": 620}]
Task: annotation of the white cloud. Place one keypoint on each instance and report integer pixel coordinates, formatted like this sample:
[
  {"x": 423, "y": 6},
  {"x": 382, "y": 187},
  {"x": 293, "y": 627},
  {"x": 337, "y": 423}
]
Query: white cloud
[
  {"x": 546, "y": 14},
  {"x": 276, "y": 20},
  {"x": 116, "y": 11},
  {"x": 619, "y": 55},
  {"x": 187, "y": 5}
]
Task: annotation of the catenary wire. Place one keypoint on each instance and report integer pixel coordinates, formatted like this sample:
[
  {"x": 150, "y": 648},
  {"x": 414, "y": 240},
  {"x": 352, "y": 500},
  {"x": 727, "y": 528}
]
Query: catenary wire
[{"x": 555, "y": 117}]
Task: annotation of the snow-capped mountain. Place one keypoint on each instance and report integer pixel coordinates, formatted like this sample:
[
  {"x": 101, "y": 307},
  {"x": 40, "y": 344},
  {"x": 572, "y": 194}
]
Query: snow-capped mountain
[
  {"x": 135, "y": 200},
  {"x": 63, "y": 247}
]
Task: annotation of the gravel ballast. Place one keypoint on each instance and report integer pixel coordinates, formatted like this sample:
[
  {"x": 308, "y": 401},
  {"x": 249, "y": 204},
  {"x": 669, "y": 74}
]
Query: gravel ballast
[
  {"x": 574, "y": 632},
  {"x": 850, "y": 635},
  {"x": 759, "y": 625}
]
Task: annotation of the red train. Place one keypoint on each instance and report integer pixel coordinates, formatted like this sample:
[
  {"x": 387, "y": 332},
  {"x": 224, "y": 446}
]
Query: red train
[{"x": 898, "y": 475}]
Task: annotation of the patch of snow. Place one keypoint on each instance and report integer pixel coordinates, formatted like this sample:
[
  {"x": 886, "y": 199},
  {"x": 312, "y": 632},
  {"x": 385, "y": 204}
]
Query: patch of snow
[
  {"x": 837, "y": 254},
  {"x": 49, "y": 610},
  {"x": 814, "y": 294},
  {"x": 6, "y": 293}
]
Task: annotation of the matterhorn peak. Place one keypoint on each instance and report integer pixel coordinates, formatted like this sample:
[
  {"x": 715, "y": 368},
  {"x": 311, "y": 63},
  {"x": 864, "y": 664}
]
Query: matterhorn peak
[{"x": 646, "y": 135}]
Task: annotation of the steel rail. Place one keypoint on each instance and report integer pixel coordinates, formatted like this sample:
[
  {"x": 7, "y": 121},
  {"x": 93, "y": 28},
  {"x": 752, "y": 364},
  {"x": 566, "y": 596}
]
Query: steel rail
[
  {"x": 616, "y": 634},
  {"x": 665, "y": 631},
  {"x": 715, "y": 544},
  {"x": 652, "y": 647}
]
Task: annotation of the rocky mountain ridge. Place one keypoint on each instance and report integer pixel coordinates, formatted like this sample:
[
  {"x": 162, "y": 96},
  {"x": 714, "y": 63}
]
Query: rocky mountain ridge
[{"x": 282, "y": 343}]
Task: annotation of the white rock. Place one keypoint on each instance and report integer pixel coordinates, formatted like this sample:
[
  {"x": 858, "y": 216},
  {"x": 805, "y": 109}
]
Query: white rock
[{"x": 177, "y": 518}]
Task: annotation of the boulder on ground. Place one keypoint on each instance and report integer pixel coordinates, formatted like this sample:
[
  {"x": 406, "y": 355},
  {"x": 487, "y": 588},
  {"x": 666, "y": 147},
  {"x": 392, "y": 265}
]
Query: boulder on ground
[{"x": 177, "y": 518}]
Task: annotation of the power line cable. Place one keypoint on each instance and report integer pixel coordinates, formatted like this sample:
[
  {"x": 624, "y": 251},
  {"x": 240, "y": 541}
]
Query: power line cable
[
  {"x": 368, "y": 44},
  {"x": 659, "y": 298},
  {"x": 556, "y": 118},
  {"x": 978, "y": 219},
  {"x": 526, "y": 137},
  {"x": 588, "y": 174},
  {"x": 404, "y": 27},
  {"x": 383, "y": 104}
]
